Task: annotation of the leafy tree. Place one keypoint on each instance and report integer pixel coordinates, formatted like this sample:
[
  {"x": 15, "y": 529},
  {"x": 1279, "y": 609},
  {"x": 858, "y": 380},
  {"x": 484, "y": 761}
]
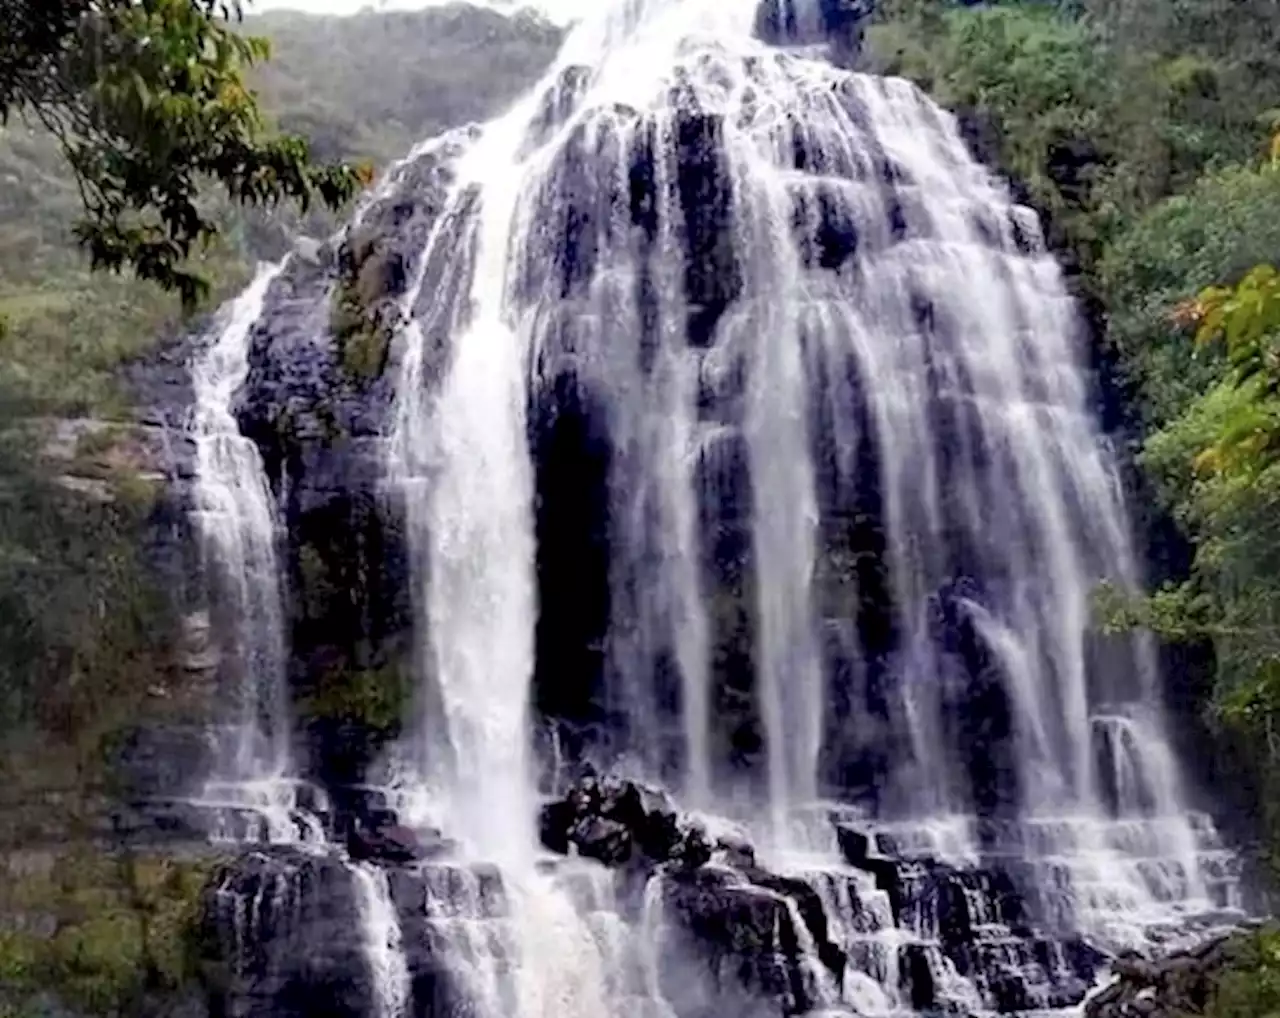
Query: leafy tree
[
  {"x": 148, "y": 101},
  {"x": 1216, "y": 461},
  {"x": 1247, "y": 319}
]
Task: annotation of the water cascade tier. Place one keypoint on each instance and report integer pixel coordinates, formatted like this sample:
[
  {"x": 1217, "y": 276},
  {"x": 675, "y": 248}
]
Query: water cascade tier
[{"x": 710, "y": 429}]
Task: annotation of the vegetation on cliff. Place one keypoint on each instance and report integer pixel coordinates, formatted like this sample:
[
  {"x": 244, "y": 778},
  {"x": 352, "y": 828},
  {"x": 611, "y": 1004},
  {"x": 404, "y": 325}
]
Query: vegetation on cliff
[{"x": 110, "y": 933}]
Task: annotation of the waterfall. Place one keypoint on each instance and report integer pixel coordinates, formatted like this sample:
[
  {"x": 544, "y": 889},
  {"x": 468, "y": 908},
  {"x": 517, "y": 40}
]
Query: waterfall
[
  {"x": 382, "y": 936},
  {"x": 739, "y": 429},
  {"x": 796, "y": 315},
  {"x": 236, "y": 516},
  {"x": 716, "y": 352}
]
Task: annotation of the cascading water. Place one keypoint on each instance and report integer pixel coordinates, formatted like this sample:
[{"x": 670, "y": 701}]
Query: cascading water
[
  {"x": 236, "y": 515},
  {"x": 383, "y": 940},
  {"x": 741, "y": 422},
  {"x": 785, "y": 289}
]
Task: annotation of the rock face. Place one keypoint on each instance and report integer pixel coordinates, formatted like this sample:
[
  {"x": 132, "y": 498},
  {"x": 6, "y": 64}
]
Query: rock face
[
  {"x": 276, "y": 937},
  {"x": 930, "y": 935},
  {"x": 762, "y": 939},
  {"x": 380, "y": 837},
  {"x": 1179, "y": 983},
  {"x": 613, "y": 822},
  {"x": 283, "y": 932},
  {"x": 753, "y": 945},
  {"x": 837, "y": 23},
  {"x": 682, "y": 910}
]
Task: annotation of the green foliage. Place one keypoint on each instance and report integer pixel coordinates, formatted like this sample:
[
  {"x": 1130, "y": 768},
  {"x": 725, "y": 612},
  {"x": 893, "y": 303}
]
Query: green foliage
[
  {"x": 1218, "y": 463},
  {"x": 1215, "y": 231},
  {"x": 86, "y": 639},
  {"x": 147, "y": 102},
  {"x": 1098, "y": 120},
  {"x": 1206, "y": 360},
  {"x": 363, "y": 316},
  {"x": 370, "y": 84},
  {"x": 1247, "y": 318},
  {"x": 373, "y": 84},
  {"x": 1249, "y": 984},
  {"x": 364, "y": 348},
  {"x": 372, "y": 699},
  {"x": 1074, "y": 118},
  {"x": 120, "y": 926}
]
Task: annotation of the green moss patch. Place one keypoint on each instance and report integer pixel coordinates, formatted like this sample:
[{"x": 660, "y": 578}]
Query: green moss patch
[{"x": 101, "y": 933}]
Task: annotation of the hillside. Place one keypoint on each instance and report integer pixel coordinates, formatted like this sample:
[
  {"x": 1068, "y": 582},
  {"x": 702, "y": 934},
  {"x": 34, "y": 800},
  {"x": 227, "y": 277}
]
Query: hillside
[{"x": 364, "y": 87}]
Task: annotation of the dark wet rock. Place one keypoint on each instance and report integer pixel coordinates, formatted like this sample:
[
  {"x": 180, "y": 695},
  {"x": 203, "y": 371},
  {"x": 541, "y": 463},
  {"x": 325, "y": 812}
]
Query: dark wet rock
[
  {"x": 811, "y": 910},
  {"x": 761, "y": 939},
  {"x": 317, "y": 402},
  {"x": 160, "y": 822},
  {"x": 734, "y": 947},
  {"x": 278, "y": 934},
  {"x": 859, "y": 851},
  {"x": 839, "y": 23},
  {"x": 695, "y": 850},
  {"x": 606, "y": 819},
  {"x": 735, "y": 849},
  {"x": 977, "y": 920},
  {"x": 606, "y": 841},
  {"x": 152, "y": 762},
  {"x": 388, "y": 843}
]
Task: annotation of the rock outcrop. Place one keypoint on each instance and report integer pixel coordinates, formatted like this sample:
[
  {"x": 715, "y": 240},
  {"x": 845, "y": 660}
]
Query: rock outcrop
[
  {"x": 277, "y": 936},
  {"x": 282, "y": 929},
  {"x": 285, "y": 932},
  {"x": 957, "y": 936},
  {"x": 1181, "y": 982}
]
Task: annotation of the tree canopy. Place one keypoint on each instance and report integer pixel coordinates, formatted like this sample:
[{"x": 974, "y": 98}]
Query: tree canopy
[{"x": 148, "y": 101}]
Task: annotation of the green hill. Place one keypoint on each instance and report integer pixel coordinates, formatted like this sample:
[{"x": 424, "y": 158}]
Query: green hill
[{"x": 366, "y": 86}]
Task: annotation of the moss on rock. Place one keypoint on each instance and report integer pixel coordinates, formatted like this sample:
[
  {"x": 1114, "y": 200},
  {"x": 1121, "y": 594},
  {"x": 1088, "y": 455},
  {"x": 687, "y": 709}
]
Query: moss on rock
[
  {"x": 365, "y": 313},
  {"x": 374, "y": 699},
  {"x": 102, "y": 933}
]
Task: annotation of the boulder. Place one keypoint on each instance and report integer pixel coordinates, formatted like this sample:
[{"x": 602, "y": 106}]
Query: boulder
[
  {"x": 376, "y": 835},
  {"x": 733, "y": 947},
  {"x": 1179, "y": 982},
  {"x": 281, "y": 931},
  {"x": 391, "y": 845},
  {"x": 606, "y": 841},
  {"x": 757, "y": 940},
  {"x": 811, "y": 910},
  {"x": 610, "y": 819},
  {"x": 859, "y": 851}
]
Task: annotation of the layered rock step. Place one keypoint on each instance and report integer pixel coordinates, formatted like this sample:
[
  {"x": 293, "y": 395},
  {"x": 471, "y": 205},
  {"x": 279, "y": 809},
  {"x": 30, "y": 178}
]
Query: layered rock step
[
  {"x": 685, "y": 919},
  {"x": 290, "y": 930}
]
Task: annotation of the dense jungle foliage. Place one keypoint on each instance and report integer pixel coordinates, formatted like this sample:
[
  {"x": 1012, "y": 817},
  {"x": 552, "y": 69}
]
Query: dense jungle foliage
[{"x": 149, "y": 106}]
